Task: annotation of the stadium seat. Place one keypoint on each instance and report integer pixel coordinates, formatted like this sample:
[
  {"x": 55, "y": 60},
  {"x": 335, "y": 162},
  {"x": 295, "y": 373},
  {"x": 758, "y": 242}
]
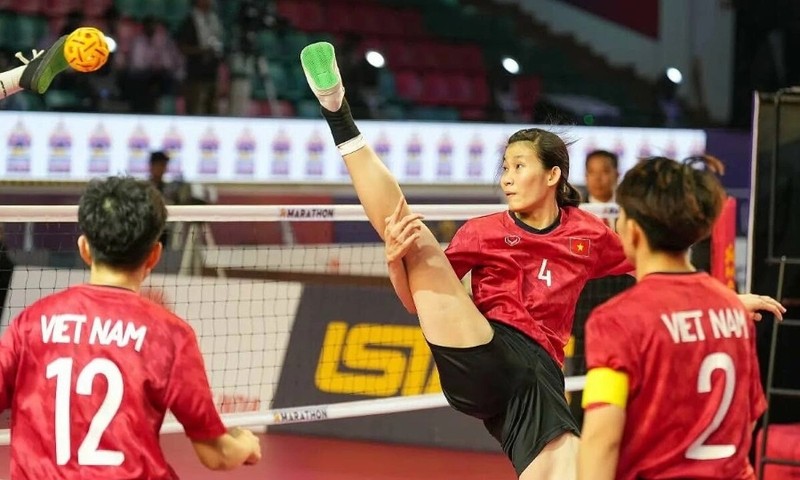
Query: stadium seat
[
  {"x": 409, "y": 85},
  {"x": 30, "y": 7},
  {"x": 62, "y": 100},
  {"x": 304, "y": 15},
  {"x": 58, "y": 8},
  {"x": 24, "y": 32},
  {"x": 308, "y": 109},
  {"x": 435, "y": 89},
  {"x": 96, "y": 8}
]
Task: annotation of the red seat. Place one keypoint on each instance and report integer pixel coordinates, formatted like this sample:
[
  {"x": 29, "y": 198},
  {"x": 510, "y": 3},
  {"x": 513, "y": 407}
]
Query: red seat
[
  {"x": 435, "y": 90},
  {"x": 408, "y": 84},
  {"x": 469, "y": 57},
  {"x": 783, "y": 442},
  {"x": 29, "y": 7},
  {"x": 411, "y": 20},
  {"x": 58, "y": 8},
  {"x": 96, "y": 8},
  {"x": 304, "y": 15},
  {"x": 399, "y": 55},
  {"x": 528, "y": 89}
]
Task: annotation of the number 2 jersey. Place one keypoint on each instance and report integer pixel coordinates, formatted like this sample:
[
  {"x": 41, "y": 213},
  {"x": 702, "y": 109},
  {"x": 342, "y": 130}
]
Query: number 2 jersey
[
  {"x": 89, "y": 374},
  {"x": 686, "y": 344},
  {"x": 530, "y": 279}
]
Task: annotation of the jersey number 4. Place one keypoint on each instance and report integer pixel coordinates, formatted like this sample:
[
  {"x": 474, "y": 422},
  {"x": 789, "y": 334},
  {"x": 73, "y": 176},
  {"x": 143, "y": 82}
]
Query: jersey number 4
[
  {"x": 544, "y": 274},
  {"x": 698, "y": 450},
  {"x": 88, "y": 452}
]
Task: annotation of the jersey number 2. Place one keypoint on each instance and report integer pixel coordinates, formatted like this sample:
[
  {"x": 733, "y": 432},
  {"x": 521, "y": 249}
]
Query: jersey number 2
[
  {"x": 698, "y": 450},
  {"x": 88, "y": 453}
]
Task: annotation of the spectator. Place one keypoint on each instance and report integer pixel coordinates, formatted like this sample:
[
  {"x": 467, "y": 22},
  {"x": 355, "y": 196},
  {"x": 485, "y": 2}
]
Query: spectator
[
  {"x": 602, "y": 173},
  {"x": 361, "y": 78},
  {"x": 158, "y": 167},
  {"x": 200, "y": 40},
  {"x": 154, "y": 67}
]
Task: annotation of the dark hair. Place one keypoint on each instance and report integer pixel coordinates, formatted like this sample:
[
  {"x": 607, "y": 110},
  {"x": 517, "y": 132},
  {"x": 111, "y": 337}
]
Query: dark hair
[
  {"x": 159, "y": 157},
  {"x": 552, "y": 151},
  {"x": 122, "y": 218},
  {"x": 603, "y": 153},
  {"x": 675, "y": 203}
]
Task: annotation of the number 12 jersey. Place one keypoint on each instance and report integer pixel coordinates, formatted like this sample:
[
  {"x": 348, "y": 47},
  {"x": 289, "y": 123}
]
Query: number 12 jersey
[{"x": 89, "y": 374}]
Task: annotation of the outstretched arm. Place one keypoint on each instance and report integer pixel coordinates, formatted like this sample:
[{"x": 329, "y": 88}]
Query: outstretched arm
[{"x": 762, "y": 303}]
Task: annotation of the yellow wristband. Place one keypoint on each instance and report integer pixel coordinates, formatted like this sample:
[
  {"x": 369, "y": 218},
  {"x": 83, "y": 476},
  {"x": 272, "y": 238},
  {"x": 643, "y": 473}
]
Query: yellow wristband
[{"x": 605, "y": 385}]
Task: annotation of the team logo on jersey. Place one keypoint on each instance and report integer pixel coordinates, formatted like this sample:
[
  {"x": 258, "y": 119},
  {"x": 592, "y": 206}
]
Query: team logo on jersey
[
  {"x": 580, "y": 246},
  {"x": 512, "y": 240}
]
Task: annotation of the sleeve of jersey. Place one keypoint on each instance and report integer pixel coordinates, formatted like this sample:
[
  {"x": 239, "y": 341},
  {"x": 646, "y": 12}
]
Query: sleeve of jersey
[
  {"x": 611, "y": 361},
  {"x": 189, "y": 394},
  {"x": 462, "y": 252},
  {"x": 10, "y": 344},
  {"x": 611, "y": 260}
]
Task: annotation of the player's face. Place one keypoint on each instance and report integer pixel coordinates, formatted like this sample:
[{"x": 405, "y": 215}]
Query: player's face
[
  {"x": 525, "y": 181},
  {"x": 625, "y": 234},
  {"x": 601, "y": 178}
]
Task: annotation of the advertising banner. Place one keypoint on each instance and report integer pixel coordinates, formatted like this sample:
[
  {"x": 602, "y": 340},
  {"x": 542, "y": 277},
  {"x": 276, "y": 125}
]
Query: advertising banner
[{"x": 50, "y": 146}]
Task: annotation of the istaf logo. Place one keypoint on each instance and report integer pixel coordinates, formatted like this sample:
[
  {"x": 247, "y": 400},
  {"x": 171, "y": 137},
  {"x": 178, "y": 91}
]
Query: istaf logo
[{"x": 352, "y": 342}]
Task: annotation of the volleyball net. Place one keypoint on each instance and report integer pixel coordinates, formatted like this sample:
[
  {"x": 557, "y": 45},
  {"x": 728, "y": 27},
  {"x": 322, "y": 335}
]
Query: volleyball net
[{"x": 292, "y": 306}]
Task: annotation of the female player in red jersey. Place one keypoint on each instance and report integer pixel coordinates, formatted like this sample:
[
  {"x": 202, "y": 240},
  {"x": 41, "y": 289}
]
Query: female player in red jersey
[
  {"x": 499, "y": 357},
  {"x": 673, "y": 388},
  {"x": 68, "y": 424}
]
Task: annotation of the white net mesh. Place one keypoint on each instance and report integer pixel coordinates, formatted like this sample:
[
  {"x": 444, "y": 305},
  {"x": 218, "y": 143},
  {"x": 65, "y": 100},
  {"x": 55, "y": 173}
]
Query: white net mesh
[{"x": 291, "y": 304}]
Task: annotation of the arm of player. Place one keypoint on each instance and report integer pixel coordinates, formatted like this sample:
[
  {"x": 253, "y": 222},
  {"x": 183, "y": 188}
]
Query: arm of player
[
  {"x": 228, "y": 451},
  {"x": 9, "y": 360},
  {"x": 190, "y": 400},
  {"x": 762, "y": 303},
  {"x": 611, "y": 260},
  {"x": 611, "y": 357},
  {"x": 399, "y": 236},
  {"x": 603, "y": 425}
]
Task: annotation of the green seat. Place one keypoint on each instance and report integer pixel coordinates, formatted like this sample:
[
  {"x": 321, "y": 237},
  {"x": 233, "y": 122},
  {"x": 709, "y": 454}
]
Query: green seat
[
  {"x": 62, "y": 100},
  {"x": 386, "y": 85},
  {"x": 24, "y": 32},
  {"x": 175, "y": 12},
  {"x": 131, "y": 8},
  {"x": 307, "y": 109}
]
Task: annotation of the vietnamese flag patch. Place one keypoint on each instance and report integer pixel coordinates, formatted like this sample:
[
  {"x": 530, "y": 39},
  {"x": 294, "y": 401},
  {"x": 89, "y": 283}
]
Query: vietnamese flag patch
[{"x": 580, "y": 246}]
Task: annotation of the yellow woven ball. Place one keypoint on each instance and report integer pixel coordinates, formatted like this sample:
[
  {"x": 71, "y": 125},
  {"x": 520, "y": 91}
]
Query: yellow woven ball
[{"x": 86, "y": 49}]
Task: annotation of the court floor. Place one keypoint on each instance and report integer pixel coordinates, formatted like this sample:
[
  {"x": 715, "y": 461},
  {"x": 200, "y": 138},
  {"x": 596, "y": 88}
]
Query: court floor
[{"x": 294, "y": 457}]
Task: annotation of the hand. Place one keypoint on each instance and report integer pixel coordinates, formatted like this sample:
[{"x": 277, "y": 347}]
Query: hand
[
  {"x": 755, "y": 303},
  {"x": 252, "y": 441},
  {"x": 401, "y": 233}
]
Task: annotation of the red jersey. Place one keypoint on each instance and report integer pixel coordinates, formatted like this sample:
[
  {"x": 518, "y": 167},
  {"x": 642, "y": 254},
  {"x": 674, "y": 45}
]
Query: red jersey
[
  {"x": 89, "y": 374},
  {"x": 530, "y": 279},
  {"x": 687, "y": 345}
]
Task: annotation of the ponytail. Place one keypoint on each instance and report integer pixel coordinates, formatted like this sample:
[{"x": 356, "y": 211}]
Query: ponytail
[{"x": 567, "y": 195}]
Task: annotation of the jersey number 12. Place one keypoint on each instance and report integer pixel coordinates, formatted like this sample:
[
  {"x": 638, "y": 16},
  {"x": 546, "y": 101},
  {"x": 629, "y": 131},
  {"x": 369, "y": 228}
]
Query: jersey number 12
[{"x": 88, "y": 452}]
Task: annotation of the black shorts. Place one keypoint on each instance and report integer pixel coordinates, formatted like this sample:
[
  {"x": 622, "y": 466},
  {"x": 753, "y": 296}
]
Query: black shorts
[{"x": 514, "y": 386}]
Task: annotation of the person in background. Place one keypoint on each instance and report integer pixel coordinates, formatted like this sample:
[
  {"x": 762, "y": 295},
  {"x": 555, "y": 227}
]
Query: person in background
[{"x": 602, "y": 173}]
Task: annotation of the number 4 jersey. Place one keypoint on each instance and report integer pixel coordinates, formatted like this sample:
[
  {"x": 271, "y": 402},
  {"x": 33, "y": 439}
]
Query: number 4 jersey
[
  {"x": 687, "y": 347},
  {"x": 530, "y": 279},
  {"x": 89, "y": 374}
]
